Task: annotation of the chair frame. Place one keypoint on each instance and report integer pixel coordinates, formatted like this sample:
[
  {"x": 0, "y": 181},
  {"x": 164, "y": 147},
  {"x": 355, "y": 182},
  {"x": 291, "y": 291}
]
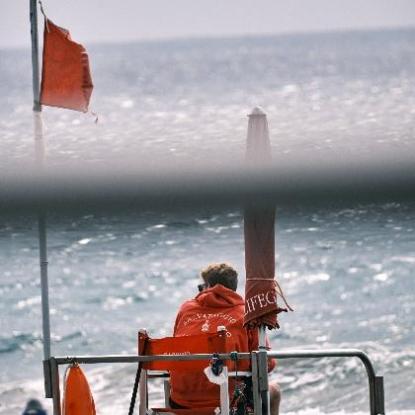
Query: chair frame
[{"x": 146, "y": 375}]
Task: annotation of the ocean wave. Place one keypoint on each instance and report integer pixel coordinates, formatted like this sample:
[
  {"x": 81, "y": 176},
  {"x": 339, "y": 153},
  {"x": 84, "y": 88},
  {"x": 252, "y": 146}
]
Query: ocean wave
[
  {"x": 23, "y": 341},
  {"x": 18, "y": 341}
]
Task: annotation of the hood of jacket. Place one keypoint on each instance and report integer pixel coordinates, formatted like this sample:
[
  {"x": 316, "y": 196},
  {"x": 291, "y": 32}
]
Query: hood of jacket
[{"x": 219, "y": 297}]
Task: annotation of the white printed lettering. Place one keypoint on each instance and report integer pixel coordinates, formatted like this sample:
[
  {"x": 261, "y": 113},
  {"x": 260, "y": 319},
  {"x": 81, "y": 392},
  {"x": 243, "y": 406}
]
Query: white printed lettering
[
  {"x": 270, "y": 297},
  {"x": 261, "y": 299}
]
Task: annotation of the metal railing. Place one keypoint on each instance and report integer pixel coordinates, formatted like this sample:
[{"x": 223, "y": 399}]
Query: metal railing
[
  {"x": 259, "y": 370},
  {"x": 376, "y": 389}
]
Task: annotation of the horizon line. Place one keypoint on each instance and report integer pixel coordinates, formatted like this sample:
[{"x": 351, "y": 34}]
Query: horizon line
[{"x": 230, "y": 36}]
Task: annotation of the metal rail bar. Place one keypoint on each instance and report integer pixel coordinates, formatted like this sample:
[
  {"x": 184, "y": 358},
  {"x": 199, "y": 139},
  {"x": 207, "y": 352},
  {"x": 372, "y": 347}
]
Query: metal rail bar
[
  {"x": 376, "y": 392},
  {"x": 155, "y": 374},
  {"x": 136, "y": 358}
]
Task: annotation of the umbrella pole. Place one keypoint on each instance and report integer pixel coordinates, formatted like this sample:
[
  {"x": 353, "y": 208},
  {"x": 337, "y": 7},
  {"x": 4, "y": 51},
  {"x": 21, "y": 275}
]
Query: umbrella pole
[
  {"x": 40, "y": 161},
  {"x": 263, "y": 371}
]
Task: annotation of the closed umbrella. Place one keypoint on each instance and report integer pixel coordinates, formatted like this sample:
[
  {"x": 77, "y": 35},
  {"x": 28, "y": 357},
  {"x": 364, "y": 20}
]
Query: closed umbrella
[{"x": 261, "y": 290}]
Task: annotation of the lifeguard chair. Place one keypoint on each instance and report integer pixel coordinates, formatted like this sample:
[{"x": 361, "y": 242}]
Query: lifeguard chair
[{"x": 187, "y": 354}]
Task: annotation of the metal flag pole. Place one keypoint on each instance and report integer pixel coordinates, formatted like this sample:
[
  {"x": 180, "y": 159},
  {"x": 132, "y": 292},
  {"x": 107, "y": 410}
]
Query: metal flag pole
[{"x": 40, "y": 160}]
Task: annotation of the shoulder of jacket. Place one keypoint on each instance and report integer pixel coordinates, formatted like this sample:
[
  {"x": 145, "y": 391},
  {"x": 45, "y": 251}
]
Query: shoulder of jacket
[{"x": 189, "y": 304}]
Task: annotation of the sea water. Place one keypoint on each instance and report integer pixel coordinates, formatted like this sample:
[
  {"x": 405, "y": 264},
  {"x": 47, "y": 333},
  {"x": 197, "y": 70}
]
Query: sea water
[{"x": 348, "y": 272}]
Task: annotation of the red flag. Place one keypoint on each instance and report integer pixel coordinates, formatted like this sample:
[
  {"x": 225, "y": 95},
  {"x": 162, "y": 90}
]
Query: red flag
[{"x": 66, "y": 77}]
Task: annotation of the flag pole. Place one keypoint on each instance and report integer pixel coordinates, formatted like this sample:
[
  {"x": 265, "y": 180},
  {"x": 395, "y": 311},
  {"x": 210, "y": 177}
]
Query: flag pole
[{"x": 40, "y": 162}]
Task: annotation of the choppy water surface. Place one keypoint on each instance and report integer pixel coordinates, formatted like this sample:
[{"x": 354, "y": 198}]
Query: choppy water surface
[
  {"x": 344, "y": 94},
  {"x": 348, "y": 273}
]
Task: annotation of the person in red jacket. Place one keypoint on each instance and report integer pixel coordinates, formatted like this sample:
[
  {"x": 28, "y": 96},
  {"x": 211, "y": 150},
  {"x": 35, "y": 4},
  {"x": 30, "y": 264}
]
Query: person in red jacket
[{"x": 217, "y": 305}]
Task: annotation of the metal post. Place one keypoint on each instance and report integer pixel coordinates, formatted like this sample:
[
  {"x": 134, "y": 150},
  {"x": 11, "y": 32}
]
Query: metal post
[
  {"x": 54, "y": 368},
  {"x": 43, "y": 259},
  {"x": 47, "y": 375},
  {"x": 40, "y": 159},
  {"x": 379, "y": 396},
  {"x": 263, "y": 371},
  {"x": 35, "y": 55},
  {"x": 262, "y": 340},
  {"x": 255, "y": 384},
  {"x": 166, "y": 387},
  {"x": 142, "y": 408},
  {"x": 224, "y": 394}
]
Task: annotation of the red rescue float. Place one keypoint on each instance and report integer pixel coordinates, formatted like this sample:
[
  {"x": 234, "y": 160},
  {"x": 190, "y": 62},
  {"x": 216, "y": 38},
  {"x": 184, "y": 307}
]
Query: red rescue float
[{"x": 78, "y": 398}]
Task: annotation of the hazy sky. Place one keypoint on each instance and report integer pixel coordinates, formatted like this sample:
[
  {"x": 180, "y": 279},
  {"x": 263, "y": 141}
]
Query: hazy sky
[{"x": 105, "y": 20}]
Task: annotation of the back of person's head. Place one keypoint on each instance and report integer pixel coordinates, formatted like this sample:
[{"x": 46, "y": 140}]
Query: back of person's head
[
  {"x": 34, "y": 407},
  {"x": 220, "y": 274}
]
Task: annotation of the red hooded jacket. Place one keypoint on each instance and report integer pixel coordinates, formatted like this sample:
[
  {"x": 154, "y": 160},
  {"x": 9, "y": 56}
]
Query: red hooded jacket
[{"x": 216, "y": 306}]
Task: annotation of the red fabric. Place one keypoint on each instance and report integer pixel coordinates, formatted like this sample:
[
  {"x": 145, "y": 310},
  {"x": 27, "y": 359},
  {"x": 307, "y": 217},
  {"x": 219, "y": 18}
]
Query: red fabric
[
  {"x": 77, "y": 399},
  {"x": 216, "y": 306},
  {"x": 66, "y": 77},
  {"x": 171, "y": 346},
  {"x": 260, "y": 291}
]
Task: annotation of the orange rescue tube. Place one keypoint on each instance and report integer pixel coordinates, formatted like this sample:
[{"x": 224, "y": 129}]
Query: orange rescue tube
[{"x": 78, "y": 398}]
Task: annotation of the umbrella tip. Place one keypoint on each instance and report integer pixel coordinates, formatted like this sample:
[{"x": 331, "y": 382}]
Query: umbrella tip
[{"x": 257, "y": 111}]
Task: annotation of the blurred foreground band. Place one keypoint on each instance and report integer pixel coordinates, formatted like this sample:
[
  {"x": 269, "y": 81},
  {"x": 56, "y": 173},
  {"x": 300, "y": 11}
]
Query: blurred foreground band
[{"x": 114, "y": 189}]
